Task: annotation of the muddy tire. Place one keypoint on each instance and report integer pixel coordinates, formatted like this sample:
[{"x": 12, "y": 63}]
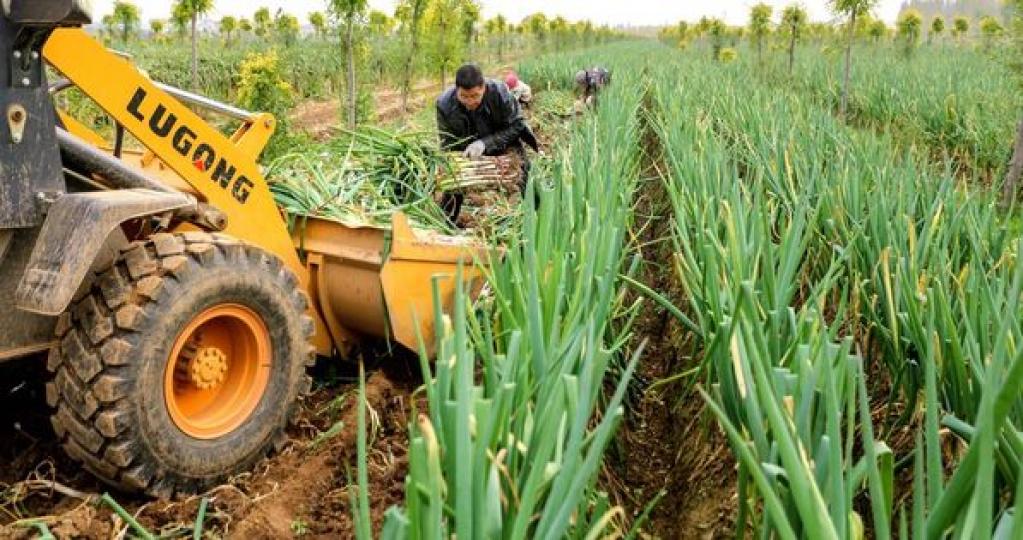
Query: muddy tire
[{"x": 114, "y": 372}]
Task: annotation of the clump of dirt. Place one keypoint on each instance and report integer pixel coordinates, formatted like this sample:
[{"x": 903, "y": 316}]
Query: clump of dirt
[{"x": 307, "y": 490}]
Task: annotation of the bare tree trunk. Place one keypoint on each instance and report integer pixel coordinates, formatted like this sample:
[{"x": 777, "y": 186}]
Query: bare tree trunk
[
  {"x": 848, "y": 66},
  {"x": 442, "y": 31},
  {"x": 352, "y": 93},
  {"x": 792, "y": 51},
  {"x": 406, "y": 78},
  {"x": 1015, "y": 167},
  {"x": 195, "y": 55}
]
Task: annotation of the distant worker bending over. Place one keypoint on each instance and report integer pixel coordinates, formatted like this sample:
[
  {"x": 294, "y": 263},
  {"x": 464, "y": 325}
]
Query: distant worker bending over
[
  {"x": 522, "y": 92},
  {"x": 481, "y": 117},
  {"x": 589, "y": 82}
]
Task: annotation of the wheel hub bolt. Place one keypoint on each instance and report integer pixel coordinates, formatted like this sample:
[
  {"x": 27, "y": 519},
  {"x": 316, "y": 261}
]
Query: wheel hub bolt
[{"x": 209, "y": 368}]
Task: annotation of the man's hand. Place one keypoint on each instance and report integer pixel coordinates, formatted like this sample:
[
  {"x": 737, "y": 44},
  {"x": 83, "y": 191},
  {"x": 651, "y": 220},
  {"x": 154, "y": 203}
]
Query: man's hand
[{"x": 476, "y": 149}]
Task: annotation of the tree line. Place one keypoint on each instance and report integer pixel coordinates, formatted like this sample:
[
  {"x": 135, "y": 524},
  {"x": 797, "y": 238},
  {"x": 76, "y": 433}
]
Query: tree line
[
  {"x": 793, "y": 27},
  {"x": 435, "y": 35}
]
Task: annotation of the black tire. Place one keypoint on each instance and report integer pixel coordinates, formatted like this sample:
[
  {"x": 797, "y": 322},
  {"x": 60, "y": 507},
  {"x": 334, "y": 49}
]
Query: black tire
[{"x": 107, "y": 390}]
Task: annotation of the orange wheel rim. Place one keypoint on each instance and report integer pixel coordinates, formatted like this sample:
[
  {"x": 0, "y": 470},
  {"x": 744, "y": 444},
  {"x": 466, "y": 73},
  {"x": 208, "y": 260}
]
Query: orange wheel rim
[{"x": 217, "y": 371}]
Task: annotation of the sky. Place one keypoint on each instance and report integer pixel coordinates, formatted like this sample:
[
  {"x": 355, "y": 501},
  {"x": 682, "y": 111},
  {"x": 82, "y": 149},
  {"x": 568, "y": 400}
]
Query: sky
[{"x": 613, "y": 12}]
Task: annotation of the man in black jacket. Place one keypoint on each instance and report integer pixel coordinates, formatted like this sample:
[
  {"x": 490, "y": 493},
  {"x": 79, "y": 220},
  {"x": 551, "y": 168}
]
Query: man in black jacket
[{"x": 480, "y": 117}]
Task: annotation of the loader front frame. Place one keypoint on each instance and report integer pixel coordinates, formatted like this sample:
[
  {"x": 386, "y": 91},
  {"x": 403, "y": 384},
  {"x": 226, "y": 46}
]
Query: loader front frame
[{"x": 219, "y": 170}]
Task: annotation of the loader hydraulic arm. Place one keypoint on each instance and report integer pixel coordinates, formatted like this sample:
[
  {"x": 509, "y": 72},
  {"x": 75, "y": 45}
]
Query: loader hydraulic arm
[{"x": 224, "y": 172}]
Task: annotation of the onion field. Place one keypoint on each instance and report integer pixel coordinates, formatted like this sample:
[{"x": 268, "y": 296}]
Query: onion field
[
  {"x": 844, "y": 298},
  {"x": 730, "y": 303}
]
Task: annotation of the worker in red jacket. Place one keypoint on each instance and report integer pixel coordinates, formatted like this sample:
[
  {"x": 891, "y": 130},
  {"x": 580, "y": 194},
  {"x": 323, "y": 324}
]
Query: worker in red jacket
[{"x": 519, "y": 89}]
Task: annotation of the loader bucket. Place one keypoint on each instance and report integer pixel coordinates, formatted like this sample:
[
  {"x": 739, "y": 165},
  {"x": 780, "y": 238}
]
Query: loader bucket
[{"x": 369, "y": 281}]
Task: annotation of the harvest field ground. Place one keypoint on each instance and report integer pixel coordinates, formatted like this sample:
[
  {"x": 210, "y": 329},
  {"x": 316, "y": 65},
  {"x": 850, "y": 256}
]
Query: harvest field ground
[{"x": 735, "y": 310}]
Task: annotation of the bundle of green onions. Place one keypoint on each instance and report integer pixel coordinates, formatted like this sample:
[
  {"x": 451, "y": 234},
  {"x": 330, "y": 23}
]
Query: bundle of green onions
[
  {"x": 320, "y": 184},
  {"x": 405, "y": 164},
  {"x": 485, "y": 172},
  {"x": 413, "y": 162},
  {"x": 366, "y": 175}
]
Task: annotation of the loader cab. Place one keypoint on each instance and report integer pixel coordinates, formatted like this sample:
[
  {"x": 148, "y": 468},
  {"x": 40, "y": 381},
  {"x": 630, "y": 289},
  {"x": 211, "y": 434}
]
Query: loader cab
[{"x": 32, "y": 175}]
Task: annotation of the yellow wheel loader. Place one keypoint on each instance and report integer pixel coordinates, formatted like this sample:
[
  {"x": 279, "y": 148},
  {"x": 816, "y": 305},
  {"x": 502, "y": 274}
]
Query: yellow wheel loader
[{"x": 178, "y": 312}]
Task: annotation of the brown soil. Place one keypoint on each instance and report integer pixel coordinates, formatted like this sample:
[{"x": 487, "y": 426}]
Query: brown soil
[
  {"x": 302, "y": 491},
  {"x": 388, "y": 102},
  {"x": 317, "y": 118},
  {"x": 320, "y": 118}
]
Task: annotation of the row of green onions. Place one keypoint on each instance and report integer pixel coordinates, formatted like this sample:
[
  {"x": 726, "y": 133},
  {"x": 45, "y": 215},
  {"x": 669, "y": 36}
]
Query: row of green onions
[
  {"x": 808, "y": 253},
  {"x": 518, "y": 413}
]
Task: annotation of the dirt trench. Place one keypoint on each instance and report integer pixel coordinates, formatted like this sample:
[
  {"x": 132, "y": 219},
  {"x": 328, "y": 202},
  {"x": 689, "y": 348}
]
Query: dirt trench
[{"x": 669, "y": 452}]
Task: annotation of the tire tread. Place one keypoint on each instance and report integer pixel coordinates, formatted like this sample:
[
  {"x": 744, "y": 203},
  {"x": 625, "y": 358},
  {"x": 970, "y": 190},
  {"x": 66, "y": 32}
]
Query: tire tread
[{"x": 90, "y": 388}]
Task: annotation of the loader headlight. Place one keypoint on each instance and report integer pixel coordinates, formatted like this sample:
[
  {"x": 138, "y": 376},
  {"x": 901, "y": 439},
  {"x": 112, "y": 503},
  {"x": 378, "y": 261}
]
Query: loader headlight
[
  {"x": 84, "y": 8},
  {"x": 43, "y": 12}
]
